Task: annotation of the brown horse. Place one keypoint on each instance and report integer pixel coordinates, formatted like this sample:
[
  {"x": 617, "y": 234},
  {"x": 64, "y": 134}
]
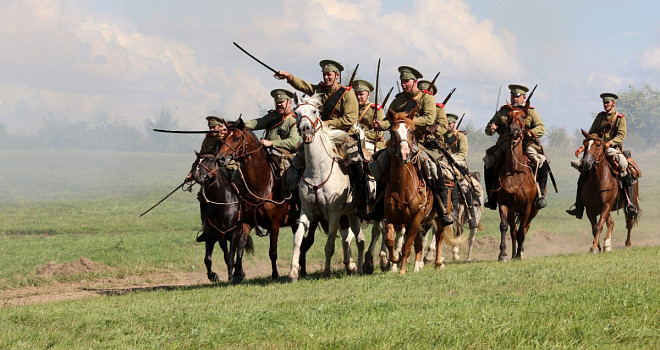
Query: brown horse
[
  {"x": 517, "y": 187},
  {"x": 601, "y": 194},
  {"x": 262, "y": 200},
  {"x": 408, "y": 200}
]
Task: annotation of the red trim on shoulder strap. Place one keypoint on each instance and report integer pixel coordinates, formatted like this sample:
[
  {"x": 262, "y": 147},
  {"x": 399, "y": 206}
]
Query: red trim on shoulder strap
[
  {"x": 620, "y": 115},
  {"x": 378, "y": 107},
  {"x": 440, "y": 105}
]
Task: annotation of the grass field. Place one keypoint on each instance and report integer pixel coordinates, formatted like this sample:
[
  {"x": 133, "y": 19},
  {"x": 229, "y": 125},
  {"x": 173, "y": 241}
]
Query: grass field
[{"x": 63, "y": 206}]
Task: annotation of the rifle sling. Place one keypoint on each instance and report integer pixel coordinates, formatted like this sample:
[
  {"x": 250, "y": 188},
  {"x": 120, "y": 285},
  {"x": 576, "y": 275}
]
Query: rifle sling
[{"x": 332, "y": 102}]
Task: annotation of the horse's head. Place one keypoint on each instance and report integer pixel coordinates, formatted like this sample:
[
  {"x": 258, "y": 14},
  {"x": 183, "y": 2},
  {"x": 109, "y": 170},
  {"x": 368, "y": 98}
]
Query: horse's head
[
  {"x": 402, "y": 135},
  {"x": 594, "y": 150},
  {"x": 235, "y": 143},
  {"x": 308, "y": 117},
  {"x": 515, "y": 123},
  {"x": 205, "y": 168}
]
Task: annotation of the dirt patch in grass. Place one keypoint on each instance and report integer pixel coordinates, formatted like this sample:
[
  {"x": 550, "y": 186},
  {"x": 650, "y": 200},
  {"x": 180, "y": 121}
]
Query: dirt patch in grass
[{"x": 82, "y": 265}]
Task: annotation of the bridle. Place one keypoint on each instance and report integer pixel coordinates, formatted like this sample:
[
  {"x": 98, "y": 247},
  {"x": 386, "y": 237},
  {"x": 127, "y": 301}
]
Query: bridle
[
  {"x": 241, "y": 151},
  {"x": 317, "y": 124}
]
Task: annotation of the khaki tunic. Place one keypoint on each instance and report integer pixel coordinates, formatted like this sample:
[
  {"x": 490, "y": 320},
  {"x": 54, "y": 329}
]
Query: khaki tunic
[
  {"x": 281, "y": 130},
  {"x": 426, "y": 110},
  {"x": 210, "y": 142},
  {"x": 367, "y": 122},
  {"x": 605, "y": 122},
  {"x": 441, "y": 121},
  {"x": 533, "y": 123},
  {"x": 346, "y": 113},
  {"x": 458, "y": 146}
]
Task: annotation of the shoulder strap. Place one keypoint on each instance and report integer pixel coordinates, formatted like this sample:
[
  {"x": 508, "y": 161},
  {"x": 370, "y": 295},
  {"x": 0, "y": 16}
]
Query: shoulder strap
[{"x": 331, "y": 103}]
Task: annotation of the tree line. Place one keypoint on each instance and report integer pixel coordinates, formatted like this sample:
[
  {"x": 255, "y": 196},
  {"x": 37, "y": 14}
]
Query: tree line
[{"x": 111, "y": 133}]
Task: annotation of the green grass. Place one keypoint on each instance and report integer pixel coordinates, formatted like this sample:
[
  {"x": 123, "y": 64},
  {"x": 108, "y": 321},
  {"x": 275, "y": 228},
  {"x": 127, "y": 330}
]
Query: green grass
[
  {"x": 578, "y": 301},
  {"x": 61, "y": 206}
]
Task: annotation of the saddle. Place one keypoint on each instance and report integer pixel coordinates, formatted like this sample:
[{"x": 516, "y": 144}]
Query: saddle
[{"x": 633, "y": 168}]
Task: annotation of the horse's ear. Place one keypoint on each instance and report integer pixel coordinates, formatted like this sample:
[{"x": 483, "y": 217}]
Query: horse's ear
[
  {"x": 239, "y": 124},
  {"x": 508, "y": 104},
  {"x": 295, "y": 98},
  {"x": 586, "y": 134},
  {"x": 196, "y": 154},
  {"x": 390, "y": 115}
]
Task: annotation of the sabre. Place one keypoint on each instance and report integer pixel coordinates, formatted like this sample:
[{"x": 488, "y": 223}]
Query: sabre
[
  {"x": 162, "y": 200},
  {"x": 256, "y": 59},
  {"x": 185, "y": 131},
  {"x": 497, "y": 104}
]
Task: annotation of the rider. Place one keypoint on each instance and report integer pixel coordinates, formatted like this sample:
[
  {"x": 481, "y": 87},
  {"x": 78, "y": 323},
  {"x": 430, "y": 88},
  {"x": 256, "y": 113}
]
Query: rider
[
  {"x": 535, "y": 130},
  {"x": 456, "y": 143},
  {"x": 372, "y": 126},
  {"x": 414, "y": 99},
  {"x": 339, "y": 111},
  {"x": 211, "y": 143},
  {"x": 611, "y": 126}
]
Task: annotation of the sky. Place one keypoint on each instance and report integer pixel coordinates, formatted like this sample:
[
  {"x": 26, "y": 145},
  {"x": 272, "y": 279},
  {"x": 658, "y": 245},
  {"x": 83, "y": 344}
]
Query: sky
[{"x": 78, "y": 61}]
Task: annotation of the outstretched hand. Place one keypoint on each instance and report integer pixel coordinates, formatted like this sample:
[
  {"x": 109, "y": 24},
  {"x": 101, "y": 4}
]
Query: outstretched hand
[{"x": 579, "y": 150}]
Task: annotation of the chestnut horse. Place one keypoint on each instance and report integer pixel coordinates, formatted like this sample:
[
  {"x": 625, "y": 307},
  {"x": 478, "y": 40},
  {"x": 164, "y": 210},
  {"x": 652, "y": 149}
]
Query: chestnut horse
[
  {"x": 600, "y": 193},
  {"x": 517, "y": 187},
  {"x": 408, "y": 200},
  {"x": 262, "y": 200},
  {"x": 221, "y": 209}
]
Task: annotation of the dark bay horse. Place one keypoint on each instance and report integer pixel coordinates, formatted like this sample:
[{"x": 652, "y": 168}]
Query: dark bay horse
[
  {"x": 221, "y": 209},
  {"x": 262, "y": 200},
  {"x": 517, "y": 187},
  {"x": 601, "y": 194},
  {"x": 408, "y": 200}
]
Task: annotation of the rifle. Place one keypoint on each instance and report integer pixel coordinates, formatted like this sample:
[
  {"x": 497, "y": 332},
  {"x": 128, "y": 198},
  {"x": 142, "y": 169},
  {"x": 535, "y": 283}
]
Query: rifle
[
  {"x": 529, "y": 98},
  {"x": 433, "y": 81},
  {"x": 164, "y": 198},
  {"x": 453, "y": 164},
  {"x": 448, "y": 97},
  {"x": 256, "y": 59},
  {"x": 460, "y": 121},
  {"x": 353, "y": 76}
]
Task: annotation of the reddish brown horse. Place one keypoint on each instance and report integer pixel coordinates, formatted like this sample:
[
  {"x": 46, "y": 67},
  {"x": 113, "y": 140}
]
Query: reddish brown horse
[
  {"x": 408, "y": 200},
  {"x": 517, "y": 188},
  {"x": 262, "y": 200},
  {"x": 601, "y": 194}
]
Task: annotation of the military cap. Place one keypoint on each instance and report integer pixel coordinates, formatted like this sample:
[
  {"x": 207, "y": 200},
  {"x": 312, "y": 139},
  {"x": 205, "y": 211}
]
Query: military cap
[
  {"x": 281, "y": 95},
  {"x": 331, "y": 66},
  {"x": 362, "y": 85},
  {"x": 409, "y": 73},
  {"x": 215, "y": 120},
  {"x": 608, "y": 96},
  {"x": 452, "y": 118},
  {"x": 517, "y": 90},
  {"x": 425, "y": 85}
]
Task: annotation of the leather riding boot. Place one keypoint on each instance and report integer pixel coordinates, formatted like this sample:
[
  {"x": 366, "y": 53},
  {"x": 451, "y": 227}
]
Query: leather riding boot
[
  {"x": 202, "y": 213},
  {"x": 628, "y": 187},
  {"x": 441, "y": 191},
  {"x": 454, "y": 201},
  {"x": 378, "y": 209},
  {"x": 542, "y": 179},
  {"x": 489, "y": 179},
  {"x": 472, "y": 222},
  {"x": 294, "y": 203},
  {"x": 578, "y": 211},
  {"x": 360, "y": 190}
]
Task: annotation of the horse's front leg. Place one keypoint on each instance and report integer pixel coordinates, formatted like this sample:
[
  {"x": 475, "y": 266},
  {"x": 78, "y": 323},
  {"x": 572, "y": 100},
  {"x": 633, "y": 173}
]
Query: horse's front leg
[
  {"x": 225, "y": 251},
  {"x": 240, "y": 240},
  {"x": 473, "y": 232},
  {"x": 513, "y": 230},
  {"x": 597, "y": 228},
  {"x": 307, "y": 243},
  {"x": 356, "y": 226},
  {"x": 504, "y": 225},
  {"x": 411, "y": 234},
  {"x": 389, "y": 242},
  {"x": 303, "y": 226},
  {"x": 272, "y": 250},
  {"x": 369, "y": 255},
  {"x": 607, "y": 245},
  {"x": 333, "y": 225},
  {"x": 439, "y": 236},
  {"x": 208, "y": 261},
  {"x": 347, "y": 236},
  {"x": 419, "y": 251}
]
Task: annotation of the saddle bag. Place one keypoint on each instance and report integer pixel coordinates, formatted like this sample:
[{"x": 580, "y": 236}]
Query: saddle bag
[{"x": 633, "y": 168}]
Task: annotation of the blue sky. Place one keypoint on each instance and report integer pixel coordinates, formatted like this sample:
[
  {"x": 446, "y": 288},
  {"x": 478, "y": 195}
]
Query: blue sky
[{"x": 85, "y": 60}]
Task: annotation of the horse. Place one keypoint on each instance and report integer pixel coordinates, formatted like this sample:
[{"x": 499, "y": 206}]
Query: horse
[
  {"x": 460, "y": 217},
  {"x": 221, "y": 209},
  {"x": 324, "y": 189},
  {"x": 262, "y": 199},
  {"x": 601, "y": 195},
  {"x": 517, "y": 187},
  {"x": 408, "y": 199}
]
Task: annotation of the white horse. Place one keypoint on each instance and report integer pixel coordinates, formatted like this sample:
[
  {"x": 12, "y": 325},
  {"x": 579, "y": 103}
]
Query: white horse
[
  {"x": 325, "y": 191},
  {"x": 459, "y": 222}
]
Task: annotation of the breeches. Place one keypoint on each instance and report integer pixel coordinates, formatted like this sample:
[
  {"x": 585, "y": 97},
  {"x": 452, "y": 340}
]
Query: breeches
[
  {"x": 611, "y": 153},
  {"x": 498, "y": 152}
]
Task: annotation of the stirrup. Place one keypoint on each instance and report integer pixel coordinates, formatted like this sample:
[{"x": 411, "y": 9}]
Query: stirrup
[
  {"x": 446, "y": 220},
  {"x": 631, "y": 209},
  {"x": 540, "y": 203},
  {"x": 472, "y": 223}
]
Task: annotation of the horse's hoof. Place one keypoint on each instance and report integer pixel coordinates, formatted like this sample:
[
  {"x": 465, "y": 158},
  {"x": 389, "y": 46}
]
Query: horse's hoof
[
  {"x": 593, "y": 251},
  {"x": 237, "y": 279},
  {"x": 441, "y": 266},
  {"x": 502, "y": 259},
  {"x": 213, "y": 277},
  {"x": 275, "y": 276},
  {"x": 608, "y": 249},
  {"x": 368, "y": 267}
]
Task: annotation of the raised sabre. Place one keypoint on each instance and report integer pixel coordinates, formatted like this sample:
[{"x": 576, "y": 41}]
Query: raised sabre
[{"x": 256, "y": 59}]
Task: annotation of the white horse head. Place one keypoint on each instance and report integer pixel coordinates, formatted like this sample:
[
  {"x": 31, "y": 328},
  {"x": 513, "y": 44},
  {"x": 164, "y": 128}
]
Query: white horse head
[{"x": 308, "y": 117}]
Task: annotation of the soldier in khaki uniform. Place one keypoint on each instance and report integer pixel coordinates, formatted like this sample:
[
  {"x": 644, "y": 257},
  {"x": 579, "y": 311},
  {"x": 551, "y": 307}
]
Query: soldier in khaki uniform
[
  {"x": 441, "y": 115},
  {"x": 611, "y": 126},
  {"x": 340, "y": 111},
  {"x": 282, "y": 136},
  {"x": 535, "y": 130},
  {"x": 373, "y": 126},
  {"x": 456, "y": 143},
  {"x": 210, "y": 144},
  {"x": 423, "y": 104}
]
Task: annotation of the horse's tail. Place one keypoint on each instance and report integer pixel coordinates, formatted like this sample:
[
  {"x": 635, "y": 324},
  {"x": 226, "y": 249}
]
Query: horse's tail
[
  {"x": 450, "y": 235},
  {"x": 249, "y": 245}
]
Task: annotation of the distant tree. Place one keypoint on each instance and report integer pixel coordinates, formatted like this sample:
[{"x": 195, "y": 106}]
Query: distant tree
[
  {"x": 642, "y": 111},
  {"x": 557, "y": 138}
]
